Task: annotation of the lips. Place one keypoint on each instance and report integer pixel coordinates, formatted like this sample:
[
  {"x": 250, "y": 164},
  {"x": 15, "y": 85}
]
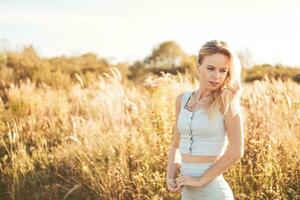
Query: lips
[{"x": 214, "y": 83}]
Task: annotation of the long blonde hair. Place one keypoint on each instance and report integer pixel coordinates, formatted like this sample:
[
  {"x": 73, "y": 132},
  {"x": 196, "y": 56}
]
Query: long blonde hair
[{"x": 228, "y": 95}]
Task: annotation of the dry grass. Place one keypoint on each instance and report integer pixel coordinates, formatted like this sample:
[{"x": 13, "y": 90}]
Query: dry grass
[{"x": 109, "y": 140}]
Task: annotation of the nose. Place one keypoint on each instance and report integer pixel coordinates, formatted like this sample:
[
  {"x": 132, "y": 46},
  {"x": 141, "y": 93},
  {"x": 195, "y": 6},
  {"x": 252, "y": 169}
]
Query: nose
[{"x": 216, "y": 76}]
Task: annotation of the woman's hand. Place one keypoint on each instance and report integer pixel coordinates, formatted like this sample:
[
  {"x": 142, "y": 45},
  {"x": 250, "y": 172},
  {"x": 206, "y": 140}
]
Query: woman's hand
[
  {"x": 188, "y": 180},
  {"x": 172, "y": 186}
]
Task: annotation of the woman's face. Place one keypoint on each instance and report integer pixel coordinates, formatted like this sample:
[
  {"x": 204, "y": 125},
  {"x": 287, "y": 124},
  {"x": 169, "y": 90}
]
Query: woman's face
[{"x": 213, "y": 71}]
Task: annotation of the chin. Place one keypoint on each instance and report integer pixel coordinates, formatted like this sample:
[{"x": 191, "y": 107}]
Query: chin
[{"x": 216, "y": 88}]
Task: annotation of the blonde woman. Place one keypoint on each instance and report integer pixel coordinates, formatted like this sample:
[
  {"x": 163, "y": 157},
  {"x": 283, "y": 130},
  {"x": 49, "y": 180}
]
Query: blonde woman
[{"x": 208, "y": 131}]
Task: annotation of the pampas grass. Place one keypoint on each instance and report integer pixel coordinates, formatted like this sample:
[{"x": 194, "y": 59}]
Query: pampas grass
[{"x": 109, "y": 139}]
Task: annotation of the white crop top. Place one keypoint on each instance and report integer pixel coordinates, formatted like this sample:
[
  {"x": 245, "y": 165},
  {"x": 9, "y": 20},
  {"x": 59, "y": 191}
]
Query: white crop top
[{"x": 198, "y": 135}]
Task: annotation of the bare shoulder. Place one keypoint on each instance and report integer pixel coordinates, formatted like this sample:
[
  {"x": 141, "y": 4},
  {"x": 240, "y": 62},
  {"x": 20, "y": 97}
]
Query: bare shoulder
[{"x": 178, "y": 99}]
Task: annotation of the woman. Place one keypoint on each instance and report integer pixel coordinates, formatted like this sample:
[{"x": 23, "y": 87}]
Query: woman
[{"x": 208, "y": 131}]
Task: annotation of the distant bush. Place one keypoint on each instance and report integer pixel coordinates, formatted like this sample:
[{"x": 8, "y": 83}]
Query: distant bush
[
  {"x": 57, "y": 72},
  {"x": 258, "y": 72},
  {"x": 168, "y": 57}
]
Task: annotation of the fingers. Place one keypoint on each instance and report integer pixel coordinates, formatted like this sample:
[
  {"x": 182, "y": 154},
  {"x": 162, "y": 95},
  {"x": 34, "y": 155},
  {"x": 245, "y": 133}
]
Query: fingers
[
  {"x": 180, "y": 185},
  {"x": 176, "y": 185},
  {"x": 180, "y": 178},
  {"x": 173, "y": 183},
  {"x": 180, "y": 181},
  {"x": 172, "y": 189},
  {"x": 173, "y": 186},
  {"x": 178, "y": 188}
]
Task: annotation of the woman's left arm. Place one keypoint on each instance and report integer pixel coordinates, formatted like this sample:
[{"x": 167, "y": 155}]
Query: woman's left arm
[{"x": 234, "y": 129}]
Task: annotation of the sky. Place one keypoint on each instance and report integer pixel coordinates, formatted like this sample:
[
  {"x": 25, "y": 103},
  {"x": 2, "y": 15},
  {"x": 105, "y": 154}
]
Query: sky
[{"x": 129, "y": 30}]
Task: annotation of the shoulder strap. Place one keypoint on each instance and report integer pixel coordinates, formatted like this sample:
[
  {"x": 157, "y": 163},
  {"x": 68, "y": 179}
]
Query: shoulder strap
[{"x": 185, "y": 98}]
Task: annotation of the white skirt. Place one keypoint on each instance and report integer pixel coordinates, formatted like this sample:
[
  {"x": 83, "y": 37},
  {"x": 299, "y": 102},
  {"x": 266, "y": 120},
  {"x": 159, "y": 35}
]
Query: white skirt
[{"x": 217, "y": 189}]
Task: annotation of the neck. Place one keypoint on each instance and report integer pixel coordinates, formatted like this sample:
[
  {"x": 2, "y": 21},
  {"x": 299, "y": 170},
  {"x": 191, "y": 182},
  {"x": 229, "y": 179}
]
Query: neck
[{"x": 203, "y": 93}]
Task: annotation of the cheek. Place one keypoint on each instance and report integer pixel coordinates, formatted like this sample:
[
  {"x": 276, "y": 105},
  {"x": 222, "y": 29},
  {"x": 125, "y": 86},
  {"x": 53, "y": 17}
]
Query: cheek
[
  {"x": 207, "y": 73},
  {"x": 224, "y": 76},
  {"x": 202, "y": 73}
]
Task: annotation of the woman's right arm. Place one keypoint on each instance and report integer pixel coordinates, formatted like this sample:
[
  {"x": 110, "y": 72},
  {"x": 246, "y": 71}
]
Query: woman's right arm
[{"x": 174, "y": 154}]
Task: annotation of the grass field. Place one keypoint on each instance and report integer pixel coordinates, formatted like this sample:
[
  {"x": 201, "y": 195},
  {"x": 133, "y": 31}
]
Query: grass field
[{"x": 109, "y": 139}]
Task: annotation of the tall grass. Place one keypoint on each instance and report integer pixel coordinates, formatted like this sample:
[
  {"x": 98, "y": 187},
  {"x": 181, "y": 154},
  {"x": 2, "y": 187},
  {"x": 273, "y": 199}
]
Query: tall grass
[{"x": 109, "y": 139}]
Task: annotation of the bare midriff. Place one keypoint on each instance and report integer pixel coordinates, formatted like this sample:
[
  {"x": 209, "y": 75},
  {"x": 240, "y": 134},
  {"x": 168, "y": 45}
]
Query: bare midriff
[{"x": 199, "y": 159}]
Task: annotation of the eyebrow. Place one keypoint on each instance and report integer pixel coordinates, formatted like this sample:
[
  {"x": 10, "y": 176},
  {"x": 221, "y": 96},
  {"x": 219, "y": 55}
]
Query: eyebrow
[{"x": 215, "y": 67}]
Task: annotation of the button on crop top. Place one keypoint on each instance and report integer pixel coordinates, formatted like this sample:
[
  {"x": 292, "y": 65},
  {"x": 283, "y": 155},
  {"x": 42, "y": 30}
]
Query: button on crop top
[{"x": 199, "y": 135}]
